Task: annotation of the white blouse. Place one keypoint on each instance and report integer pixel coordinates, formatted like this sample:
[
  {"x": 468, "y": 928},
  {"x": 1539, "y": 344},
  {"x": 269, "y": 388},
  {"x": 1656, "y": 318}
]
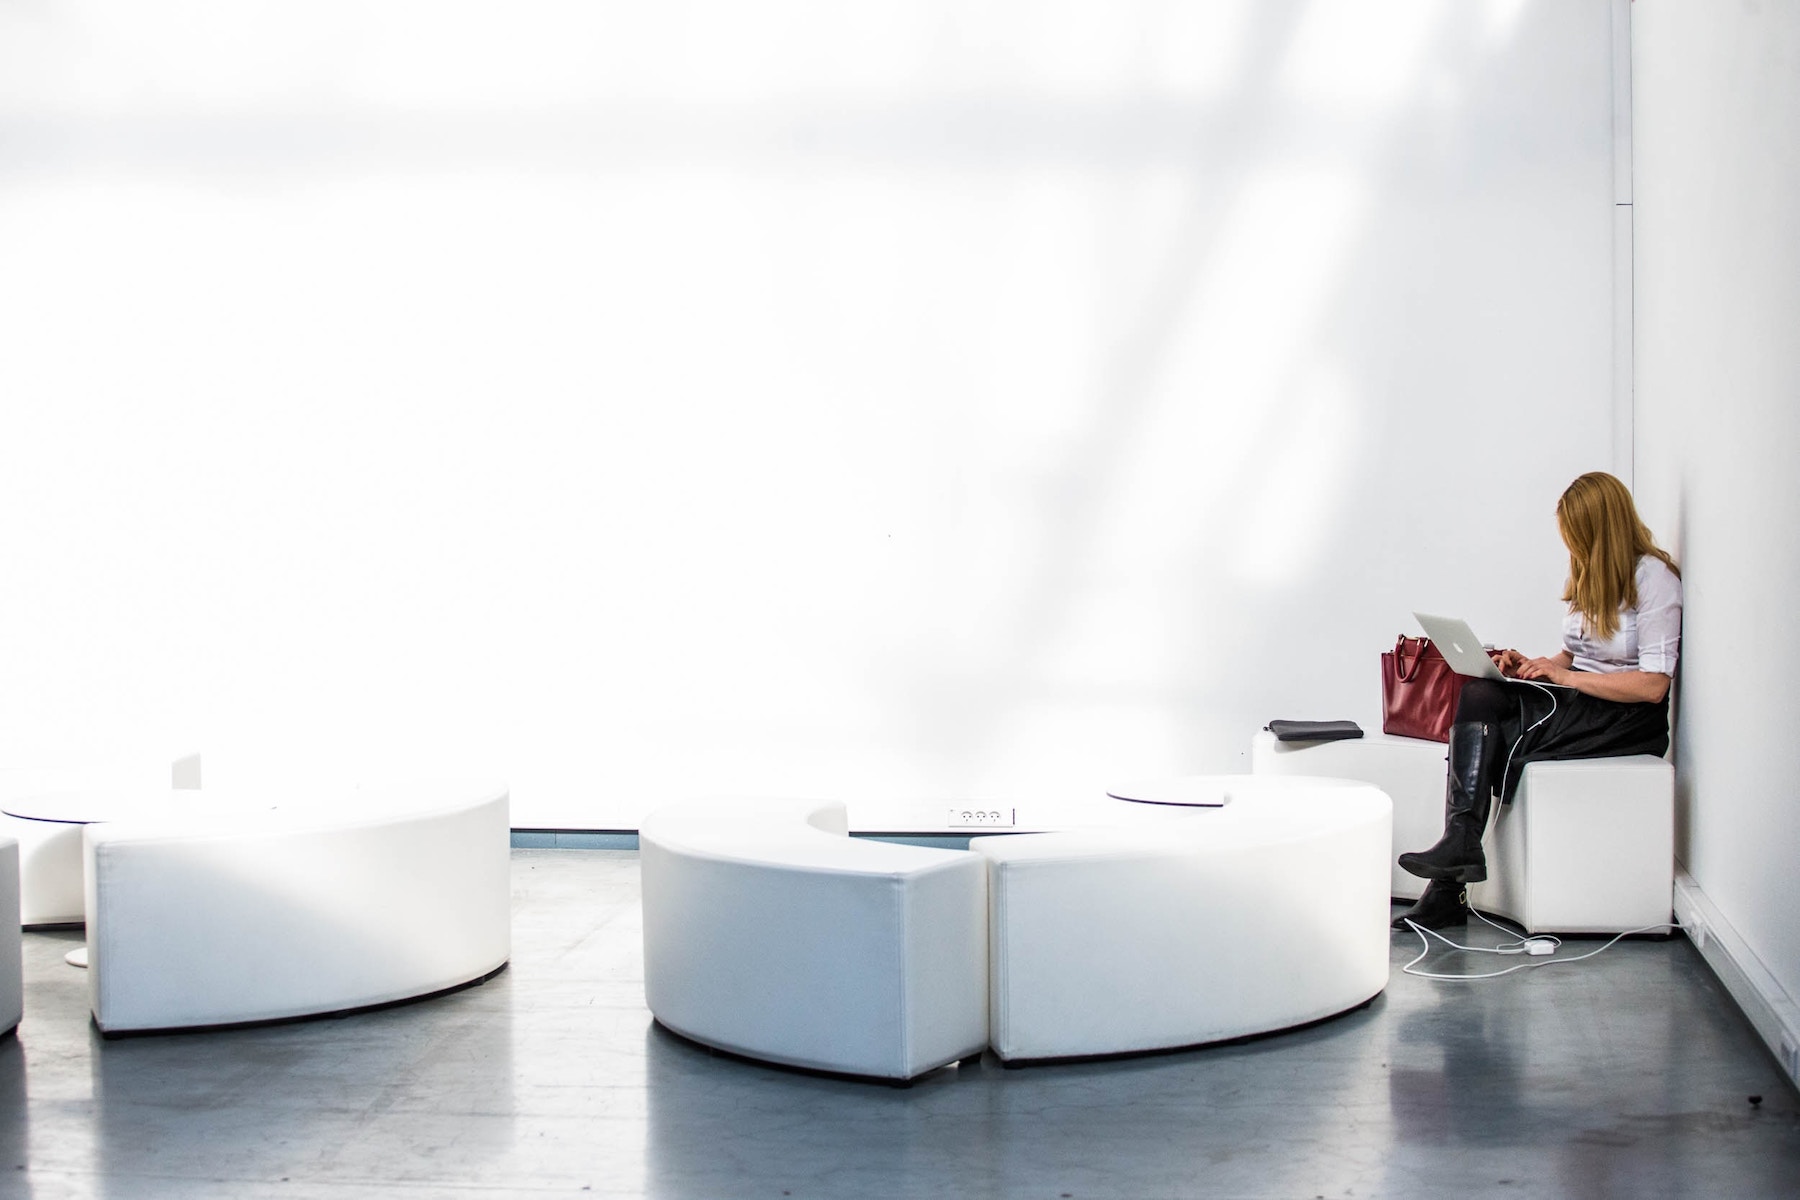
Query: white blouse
[{"x": 1649, "y": 636}]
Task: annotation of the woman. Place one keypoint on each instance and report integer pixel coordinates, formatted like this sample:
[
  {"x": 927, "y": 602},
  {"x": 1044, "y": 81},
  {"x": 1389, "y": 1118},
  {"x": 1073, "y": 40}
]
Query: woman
[{"x": 1620, "y": 640}]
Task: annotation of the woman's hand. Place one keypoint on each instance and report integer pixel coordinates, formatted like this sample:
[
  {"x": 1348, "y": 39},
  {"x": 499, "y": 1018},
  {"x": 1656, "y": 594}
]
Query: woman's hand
[
  {"x": 1514, "y": 665},
  {"x": 1550, "y": 670}
]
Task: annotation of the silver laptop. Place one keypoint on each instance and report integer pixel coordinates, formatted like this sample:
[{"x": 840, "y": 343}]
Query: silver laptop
[{"x": 1462, "y": 650}]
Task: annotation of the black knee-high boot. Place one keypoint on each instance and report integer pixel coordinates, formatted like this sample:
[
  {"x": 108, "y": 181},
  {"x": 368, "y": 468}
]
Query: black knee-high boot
[{"x": 1468, "y": 797}]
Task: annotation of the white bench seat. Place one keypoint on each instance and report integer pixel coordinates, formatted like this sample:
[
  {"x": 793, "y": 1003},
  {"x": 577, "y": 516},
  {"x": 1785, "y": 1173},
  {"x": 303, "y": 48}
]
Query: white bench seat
[
  {"x": 1189, "y": 925},
  {"x": 327, "y": 904},
  {"x": 771, "y": 933}
]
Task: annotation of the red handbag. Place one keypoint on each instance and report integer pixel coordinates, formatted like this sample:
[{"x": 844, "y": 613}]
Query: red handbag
[{"x": 1418, "y": 691}]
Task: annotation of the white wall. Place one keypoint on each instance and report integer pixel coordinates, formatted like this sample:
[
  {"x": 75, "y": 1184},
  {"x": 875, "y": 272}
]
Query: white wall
[
  {"x": 910, "y": 399},
  {"x": 1717, "y": 144}
]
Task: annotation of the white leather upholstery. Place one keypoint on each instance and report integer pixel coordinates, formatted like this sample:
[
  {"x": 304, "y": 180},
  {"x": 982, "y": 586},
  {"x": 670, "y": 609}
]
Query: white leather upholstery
[
  {"x": 770, "y": 933},
  {"x": 1586, "y": 846},
  {"x": 12, "y": 979},
  {"x": 323, "y": 905},
  {"x": 1191, "y": 925},
  {"x": 50, "y": 891},
  {"x": 1409, "y": 770}
]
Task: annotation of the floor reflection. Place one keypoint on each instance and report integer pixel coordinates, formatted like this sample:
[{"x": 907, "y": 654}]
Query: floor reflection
[
  {"x": 368, "y": 1096},
  {"x": 1595, "y": 1079},
  {"x": 1477, "y": 1071},
  {"x": 1253, "y": 1115}
]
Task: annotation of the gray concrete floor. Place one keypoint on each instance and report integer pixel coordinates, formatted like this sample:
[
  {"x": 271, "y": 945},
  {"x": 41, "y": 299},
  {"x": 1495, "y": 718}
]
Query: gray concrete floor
[{"x": 1628, "y": 1075}]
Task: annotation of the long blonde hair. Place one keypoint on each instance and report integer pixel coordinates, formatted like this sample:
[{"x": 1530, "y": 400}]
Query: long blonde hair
[{"x": 1606, "y": 537}]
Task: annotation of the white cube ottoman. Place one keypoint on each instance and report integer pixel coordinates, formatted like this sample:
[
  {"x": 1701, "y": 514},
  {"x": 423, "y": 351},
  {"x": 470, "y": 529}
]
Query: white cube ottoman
[{"x": 1586, "y": 846}]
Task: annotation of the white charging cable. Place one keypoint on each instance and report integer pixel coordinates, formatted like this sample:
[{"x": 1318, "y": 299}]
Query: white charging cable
[
  {"x": 1548, "y": 691},
  {"x": 1535, "y": 945}
]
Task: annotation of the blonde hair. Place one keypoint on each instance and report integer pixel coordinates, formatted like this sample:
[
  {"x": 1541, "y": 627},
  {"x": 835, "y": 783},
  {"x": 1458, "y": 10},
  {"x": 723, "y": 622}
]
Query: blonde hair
[{"x": 1606, "y": 537}]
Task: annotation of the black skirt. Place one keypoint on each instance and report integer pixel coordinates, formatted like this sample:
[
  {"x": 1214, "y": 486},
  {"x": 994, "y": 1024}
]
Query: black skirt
[{"x": 1560, "y": 723}]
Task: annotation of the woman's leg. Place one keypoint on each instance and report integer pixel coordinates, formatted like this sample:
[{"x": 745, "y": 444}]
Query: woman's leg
[
  {"x": 1489, "y": 722},
  {"x": 1457, "y": 859},
  {"x": 1574, "y": 725},
  {"x": 1486, "y": 701},
  {"x": 1484, "y": 711}
]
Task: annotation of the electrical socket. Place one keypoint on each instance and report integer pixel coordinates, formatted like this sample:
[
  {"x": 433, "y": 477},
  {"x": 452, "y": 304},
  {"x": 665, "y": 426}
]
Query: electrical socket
[
  {"x": 1790, "y": 1058},
  {"x": 981, "y": 818},
  {"x": 1696, "y": 931}
]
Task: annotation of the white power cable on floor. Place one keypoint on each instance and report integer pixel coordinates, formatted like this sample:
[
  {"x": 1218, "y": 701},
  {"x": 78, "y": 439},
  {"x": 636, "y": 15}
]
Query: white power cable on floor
[{"x": 1534, "y": 945}]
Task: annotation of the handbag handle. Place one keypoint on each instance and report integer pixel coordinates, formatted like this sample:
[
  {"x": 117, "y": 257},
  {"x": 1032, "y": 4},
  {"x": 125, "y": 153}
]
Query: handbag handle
[{"x": 1418, "y": 658}]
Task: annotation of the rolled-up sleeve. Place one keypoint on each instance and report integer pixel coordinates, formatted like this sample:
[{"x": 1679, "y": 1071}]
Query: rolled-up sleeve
[{"x": 1658, "y": 617}]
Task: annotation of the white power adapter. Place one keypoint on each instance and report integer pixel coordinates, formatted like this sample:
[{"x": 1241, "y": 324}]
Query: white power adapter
[{"x": 1539, "y": 946}]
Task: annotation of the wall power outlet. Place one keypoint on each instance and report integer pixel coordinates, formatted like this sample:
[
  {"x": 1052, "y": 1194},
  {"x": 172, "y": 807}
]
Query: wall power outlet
[{"x": 981, "y": 818}]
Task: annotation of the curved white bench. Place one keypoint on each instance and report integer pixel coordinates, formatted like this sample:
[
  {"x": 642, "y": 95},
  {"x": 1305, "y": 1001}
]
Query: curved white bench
[
  {"x": 769, "y": 932},
  {"x": 12, "y": 977},
  {"x": 1187, "y": 926},
  {"x": 323, "y": 905}
]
